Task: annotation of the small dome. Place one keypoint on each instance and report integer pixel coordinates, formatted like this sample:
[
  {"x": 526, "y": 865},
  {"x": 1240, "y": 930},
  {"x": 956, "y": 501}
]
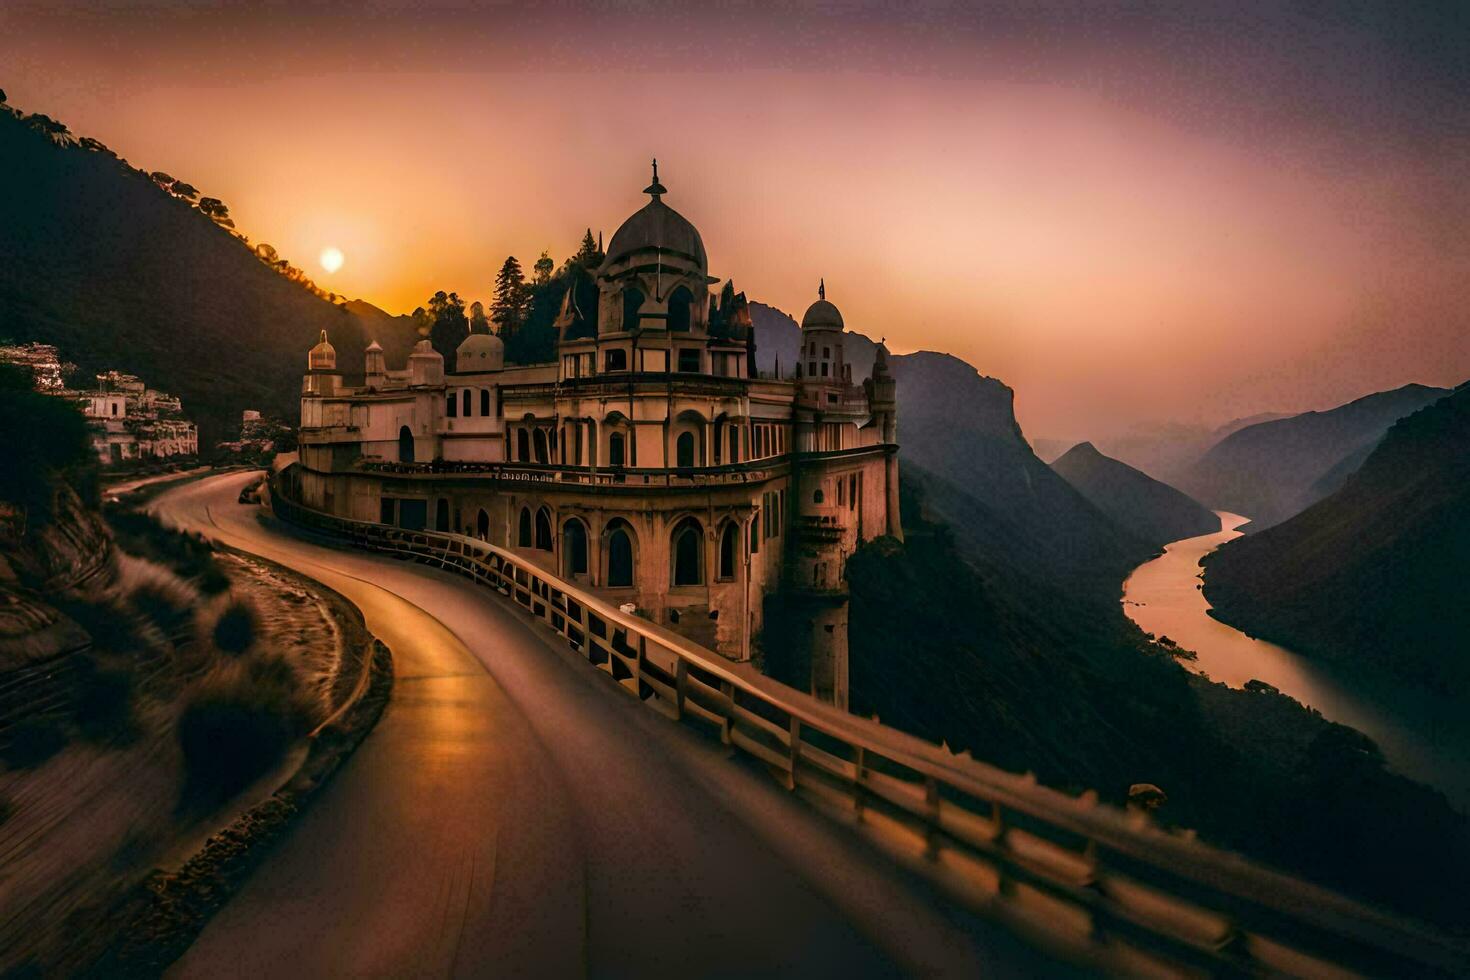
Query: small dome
[
  {"x": 322, "y": 357},
  {"x": 424, "y": 347},
  {"x": 480, "y": 352},
  {"x": 656, "y": 226},
  {"x": 821, "y": 314}
]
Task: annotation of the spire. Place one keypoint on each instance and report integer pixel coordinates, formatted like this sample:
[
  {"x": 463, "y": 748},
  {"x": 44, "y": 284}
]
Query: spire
[
  {"x": 822, "y": 289},
  {"x": 655, "y": 189}
]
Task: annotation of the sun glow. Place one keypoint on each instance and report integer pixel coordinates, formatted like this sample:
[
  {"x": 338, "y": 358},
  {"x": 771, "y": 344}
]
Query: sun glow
[{"x": 332, "y": 259}]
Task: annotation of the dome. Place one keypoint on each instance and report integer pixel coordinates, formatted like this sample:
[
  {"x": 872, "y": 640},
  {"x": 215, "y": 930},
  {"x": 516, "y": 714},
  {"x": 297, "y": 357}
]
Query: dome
[
  {"x": 322, "y": 357},
  {"x": 821, "y": 314},
  {"x": 657, "y": 226},
  {"x": 480, "y": 352}
]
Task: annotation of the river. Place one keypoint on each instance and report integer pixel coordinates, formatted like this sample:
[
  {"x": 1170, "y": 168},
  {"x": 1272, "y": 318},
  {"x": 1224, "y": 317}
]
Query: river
[{"x": 1422, "y": 735}]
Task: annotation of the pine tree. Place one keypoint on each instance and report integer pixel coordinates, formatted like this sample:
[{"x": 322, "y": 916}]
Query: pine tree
[
  {"x": 508, "y": 309},
  {"x": 588, "y": 256}
]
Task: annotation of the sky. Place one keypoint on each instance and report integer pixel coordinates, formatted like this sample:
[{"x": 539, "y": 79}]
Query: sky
[{"x": 1130, "y": 213}]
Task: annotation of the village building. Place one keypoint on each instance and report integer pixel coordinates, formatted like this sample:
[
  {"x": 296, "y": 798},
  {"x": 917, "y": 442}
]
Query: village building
[{"x": 649, "y": 461}]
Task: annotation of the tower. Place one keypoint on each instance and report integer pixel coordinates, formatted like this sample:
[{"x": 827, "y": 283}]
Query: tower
[
  {"x": 883, "y": 401},
  {"x": 322, "y": 376}
]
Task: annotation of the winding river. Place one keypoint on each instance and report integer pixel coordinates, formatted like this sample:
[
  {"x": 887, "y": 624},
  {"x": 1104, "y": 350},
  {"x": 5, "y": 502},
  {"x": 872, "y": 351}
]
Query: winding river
[{"x": 1422, "y": 735}]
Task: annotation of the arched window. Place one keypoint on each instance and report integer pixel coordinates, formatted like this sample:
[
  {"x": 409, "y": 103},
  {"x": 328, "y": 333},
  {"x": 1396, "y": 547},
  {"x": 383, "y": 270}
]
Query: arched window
[
  {"x": 574, "y": 547},
  {"x": 684, "y": 449},
  {"x": 482, "y": 525},
  {"x": 619, "y": 555},
  {"x": 538, "y": 439},
  {"x": 688, "y": 552},
  {"x": 632, "y": 303},
  {"x": 405, "y": 445},
  {"x": 523, "y": 531},
  {"x": 818, "y": 496},
  {"x": 615, "y": 447},
  {"x": 543, "y": 530},
  {"x": 681, "y": 301},
  {"x": 485, "y": 402},
  {"x": 466, "y": 404},
  {"x": 441, "y": 515},
  {"x": 451, "y": 405},
  {"x": 523, "y": 446},
  {"x": 729, "y": 543}
]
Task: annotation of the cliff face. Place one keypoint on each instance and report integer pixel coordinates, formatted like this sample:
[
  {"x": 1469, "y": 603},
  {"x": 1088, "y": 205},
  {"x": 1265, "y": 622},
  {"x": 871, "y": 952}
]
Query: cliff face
[
  {"x": 1375, "y": 573},
  {"x": 1153, "y": 511}
]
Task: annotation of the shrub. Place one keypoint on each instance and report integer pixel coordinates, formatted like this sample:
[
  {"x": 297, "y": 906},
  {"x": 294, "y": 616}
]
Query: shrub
[
  {"x": 237, "y": 628},
  {"x": 242, "y": 721},
  {"x": 32, "y": 741},
  {"x": 104, "y": 707}
]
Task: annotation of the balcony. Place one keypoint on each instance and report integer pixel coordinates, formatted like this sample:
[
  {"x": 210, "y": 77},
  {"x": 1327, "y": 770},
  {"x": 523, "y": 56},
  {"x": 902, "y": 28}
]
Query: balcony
[{"x": 615, "y": 476}]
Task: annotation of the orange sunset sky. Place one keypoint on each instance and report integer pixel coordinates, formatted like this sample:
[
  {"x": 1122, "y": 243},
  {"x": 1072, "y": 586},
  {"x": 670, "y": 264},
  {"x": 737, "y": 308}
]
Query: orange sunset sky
[{"x": 1195, "y": 214}]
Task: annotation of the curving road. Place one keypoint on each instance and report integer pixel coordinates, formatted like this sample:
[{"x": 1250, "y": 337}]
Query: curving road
[{"x": 514, "y": 814}]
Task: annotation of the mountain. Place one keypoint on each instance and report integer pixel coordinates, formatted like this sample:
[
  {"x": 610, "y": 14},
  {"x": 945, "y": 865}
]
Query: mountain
[
  {"x": 118, "y": 273},
  {"x": 1268, "y": 471},
  {"x": 1166, "y": 450},
  {"x": 959, "y": 428},
  {"x": 1375, "y": 573},
  {"x": 1152, "y": 511}
]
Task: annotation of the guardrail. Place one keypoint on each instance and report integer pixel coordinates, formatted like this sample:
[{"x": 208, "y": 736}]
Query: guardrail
[{"x": 1089, "y": 881}]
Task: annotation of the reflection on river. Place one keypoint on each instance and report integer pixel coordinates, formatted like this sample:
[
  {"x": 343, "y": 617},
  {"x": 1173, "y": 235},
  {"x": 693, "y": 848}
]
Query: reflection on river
[{"x": 1421, "y": 735}]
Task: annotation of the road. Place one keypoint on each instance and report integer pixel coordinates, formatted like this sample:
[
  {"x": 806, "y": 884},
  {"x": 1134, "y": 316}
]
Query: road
[{"x": 515, "y": 814}]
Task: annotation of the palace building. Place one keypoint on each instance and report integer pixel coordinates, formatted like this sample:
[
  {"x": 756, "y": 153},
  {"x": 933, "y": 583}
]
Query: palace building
[{"x": 649, "y": 462}]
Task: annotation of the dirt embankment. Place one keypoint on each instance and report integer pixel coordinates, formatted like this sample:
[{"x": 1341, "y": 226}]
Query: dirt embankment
[{"x": 153, "y": 691}]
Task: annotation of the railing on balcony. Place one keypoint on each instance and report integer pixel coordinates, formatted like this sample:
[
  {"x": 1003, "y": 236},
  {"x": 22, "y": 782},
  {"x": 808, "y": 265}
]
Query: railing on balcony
[
  {"x": 613, "y": 476},
  {"x": 1087, "y": 880}
]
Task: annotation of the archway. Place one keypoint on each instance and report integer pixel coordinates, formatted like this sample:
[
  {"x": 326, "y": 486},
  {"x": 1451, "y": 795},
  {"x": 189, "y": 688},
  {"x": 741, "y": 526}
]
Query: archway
[
  {"x": 482, "y": 525},
  {"x": 616, "y": 449},
  {"x": 688, "y": 552},
  {"x": 632, "y": 303},
  {"x": 574, "y": 548},
  {"x": 485, "y": 402},
  {"x": 619, "y": 555},
  {"x": 465, "y": 404},
  {"x": 441, "y": 515},
  {"x": 681, "y": 302},
  {"x": 729, "y": 544},
  {"x": 543, "y": 530},
  {"x": 405, "y": 445},
  {"x": 538, "y": 441},
  {"x": 684, "y": 450},
  {"x": 523, "y": 529}
]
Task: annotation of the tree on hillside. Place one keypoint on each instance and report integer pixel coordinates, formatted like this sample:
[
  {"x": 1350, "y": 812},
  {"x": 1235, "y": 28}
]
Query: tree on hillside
[
  {"x": 186, "y": 191},
  {"x": 508, "y": 309},
  {"x": 162, "y": 179},
  {"x": 214, "y": 209},
  {"x": 53, "y": 129},
  {"x": 479, "y": 322},
  {"x": 448, "y": 326},
  {"x": 588, "y": 256},
  {"x": 543, "y": 269}
]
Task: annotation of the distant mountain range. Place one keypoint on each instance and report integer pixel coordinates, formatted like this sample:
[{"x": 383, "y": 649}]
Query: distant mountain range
[
  {"x": 1272, "y": 470},
  {"x": 1376, "y": 572},
  {"x": 117, "y": 273},
  {"x": 1152, "y": 511}
]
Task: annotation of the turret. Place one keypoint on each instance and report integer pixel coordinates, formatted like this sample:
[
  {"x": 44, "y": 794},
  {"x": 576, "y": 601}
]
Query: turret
[
  {"x": 425, "y": 365},
  {"x": 375, "y": 369},
  {"x": 321, "y": 369}
]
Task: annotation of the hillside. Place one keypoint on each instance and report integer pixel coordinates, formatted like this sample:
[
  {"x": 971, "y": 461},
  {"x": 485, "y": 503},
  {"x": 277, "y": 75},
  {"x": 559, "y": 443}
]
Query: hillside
[
  {"x": 117, "y": 273},
  {"x": 959, "y": 427},
  {"x": 1375, "y": 573},
  {"x": 1152, "y": 511},
  {"x": 960, "y": 647},
  {"x": 1268, "y": 471}
]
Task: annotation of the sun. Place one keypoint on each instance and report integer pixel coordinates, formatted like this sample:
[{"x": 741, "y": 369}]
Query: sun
[{"x": 332, "y": 258}]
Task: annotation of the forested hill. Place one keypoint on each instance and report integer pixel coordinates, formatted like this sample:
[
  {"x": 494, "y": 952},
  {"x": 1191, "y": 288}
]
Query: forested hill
[
  {"x": 1374, "y": 574},
  {"x": 1275, "y": 469},
  {"x": 1152, "y": 510},
  {"x": 117, "y": 272}
]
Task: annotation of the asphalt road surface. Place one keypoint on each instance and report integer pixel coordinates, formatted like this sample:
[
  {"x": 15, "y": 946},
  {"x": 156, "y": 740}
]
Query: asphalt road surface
[{"x": 515, "y": 814}]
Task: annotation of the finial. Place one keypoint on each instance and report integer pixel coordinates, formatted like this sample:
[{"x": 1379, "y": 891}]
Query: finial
[
  {"x": 655, "y": 189},
  {"x": 822, "y": 289},
  {"x": 324, "y": 338}
]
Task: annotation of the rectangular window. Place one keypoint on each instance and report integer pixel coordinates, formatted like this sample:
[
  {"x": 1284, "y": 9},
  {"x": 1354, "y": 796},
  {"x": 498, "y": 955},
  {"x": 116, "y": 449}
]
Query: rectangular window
[
  {"x": 689, "y": 360},
  {"x": 615, "y": 360},
  {"x": 811, "y": 370},
  {"x": 824, "y": 369},
  {"x": 755, "y": 533},
  {"x": 826, "y": 352},
  {"x": 385, "y": 511}
]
